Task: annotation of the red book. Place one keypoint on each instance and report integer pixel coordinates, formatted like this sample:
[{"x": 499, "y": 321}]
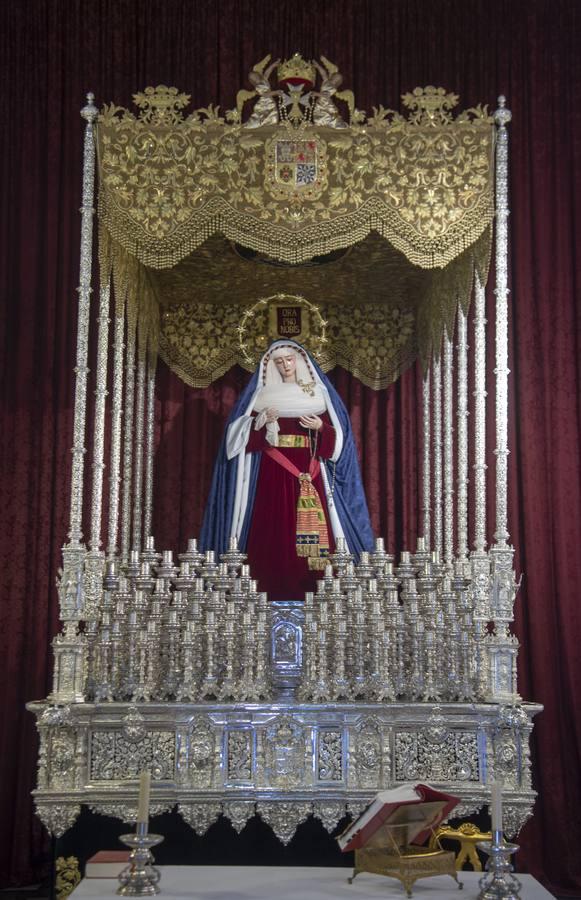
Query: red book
[
  {"x": 107, "y": 864},
  {"x": 418, "y": 808}
]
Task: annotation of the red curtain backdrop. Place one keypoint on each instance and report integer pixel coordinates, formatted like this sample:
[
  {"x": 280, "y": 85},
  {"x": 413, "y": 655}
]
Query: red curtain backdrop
[{"x": 53, "y": 52}]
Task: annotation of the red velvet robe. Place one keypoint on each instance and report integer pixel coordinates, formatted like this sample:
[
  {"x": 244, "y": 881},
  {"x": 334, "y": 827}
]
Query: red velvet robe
[{"x": 271, "y": 546}]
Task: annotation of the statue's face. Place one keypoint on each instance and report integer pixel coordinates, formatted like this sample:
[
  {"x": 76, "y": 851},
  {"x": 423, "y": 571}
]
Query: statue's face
[{"x": 286, "y": 365}]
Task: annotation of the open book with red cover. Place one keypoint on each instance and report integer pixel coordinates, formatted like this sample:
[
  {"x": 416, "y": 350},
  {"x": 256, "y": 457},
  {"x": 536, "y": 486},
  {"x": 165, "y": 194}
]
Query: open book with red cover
[{"x": 415, "y": 808}]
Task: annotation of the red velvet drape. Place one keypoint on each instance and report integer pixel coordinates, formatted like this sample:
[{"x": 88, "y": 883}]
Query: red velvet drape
[{"x": 52, "y": 52}]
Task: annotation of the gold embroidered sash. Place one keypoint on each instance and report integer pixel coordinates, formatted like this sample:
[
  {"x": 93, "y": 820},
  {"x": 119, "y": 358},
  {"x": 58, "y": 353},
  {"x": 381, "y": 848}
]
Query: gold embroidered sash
[{"x": 312, "y": 534}]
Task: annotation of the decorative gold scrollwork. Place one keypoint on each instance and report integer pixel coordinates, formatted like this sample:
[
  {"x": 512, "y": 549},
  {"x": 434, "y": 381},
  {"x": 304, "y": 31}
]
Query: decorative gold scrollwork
[
  {"x": 281, "y": 187},
  {"x": 295, "y": 173},
  {"x": 68, "y": 876}
]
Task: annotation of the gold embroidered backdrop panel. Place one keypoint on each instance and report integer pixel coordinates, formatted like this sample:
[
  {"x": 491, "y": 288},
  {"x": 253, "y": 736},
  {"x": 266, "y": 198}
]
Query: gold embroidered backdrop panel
[{"x": 380, "y": 312}]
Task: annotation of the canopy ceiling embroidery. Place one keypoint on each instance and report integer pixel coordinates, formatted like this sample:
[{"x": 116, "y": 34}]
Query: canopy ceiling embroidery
[{"x": 303, "y": 176}]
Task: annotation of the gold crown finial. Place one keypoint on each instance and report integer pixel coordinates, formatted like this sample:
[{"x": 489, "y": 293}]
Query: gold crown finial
[{"x": 296, "y": 70}]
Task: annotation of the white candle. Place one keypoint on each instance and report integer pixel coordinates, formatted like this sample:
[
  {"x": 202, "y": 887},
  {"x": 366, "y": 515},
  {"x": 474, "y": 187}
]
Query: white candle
[
  {"x": 496, "y": 806},
  {"x": 143, "y": 805}
]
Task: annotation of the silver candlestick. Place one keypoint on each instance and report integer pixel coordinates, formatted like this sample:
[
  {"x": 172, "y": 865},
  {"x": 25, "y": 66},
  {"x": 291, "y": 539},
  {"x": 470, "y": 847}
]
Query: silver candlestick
[
  {"x": 499, "y": 882},
  {"x": 140, "y": 878}
]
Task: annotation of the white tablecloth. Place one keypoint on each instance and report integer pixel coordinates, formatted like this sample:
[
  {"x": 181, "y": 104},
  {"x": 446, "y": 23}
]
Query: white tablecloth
[{"x": 296, "y": 883}]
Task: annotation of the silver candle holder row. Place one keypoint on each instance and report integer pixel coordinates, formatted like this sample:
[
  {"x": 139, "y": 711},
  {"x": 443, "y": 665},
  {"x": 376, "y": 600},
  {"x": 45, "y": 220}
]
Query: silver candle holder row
[
  {"x": 193, "y": 632},
  {"x": 375, "y": 632}
]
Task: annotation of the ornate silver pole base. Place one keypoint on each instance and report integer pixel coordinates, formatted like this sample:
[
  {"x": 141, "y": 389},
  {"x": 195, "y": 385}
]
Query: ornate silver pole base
[
  {"x": 499, "y": 882},
  {"x": 140, "y": 878}
]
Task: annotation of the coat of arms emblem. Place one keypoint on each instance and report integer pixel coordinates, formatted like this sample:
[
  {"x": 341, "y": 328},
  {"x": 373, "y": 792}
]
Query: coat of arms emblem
[
  {"x": 296, "y": 167},
  {"x": 296, "y": 162}
]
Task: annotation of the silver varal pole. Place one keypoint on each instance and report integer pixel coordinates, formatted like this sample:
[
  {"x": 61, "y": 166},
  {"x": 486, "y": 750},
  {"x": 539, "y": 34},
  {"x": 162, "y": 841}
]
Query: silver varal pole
[
  {"x": 116, "y": 428},
  {"x": 503, "y": 646},
  {"x": 462, "y": 428},
  {"x": 427, "y": 465},
  {"x": 502, "y": 117},
  {"x": 479, "y": 416},
  {"x": 89, "y": 113},
  {"x": 437, "y": 443},
  {"x": 139, "y": 444},
  {"x": 448, "y": 452},
  {"x": 99, "y": 429},
  {"x": 149, "y": 445},
  {"x": 128, "y": 435},
  {"x": 69, "y": 646},
  {"x": 95, "y": 559}
]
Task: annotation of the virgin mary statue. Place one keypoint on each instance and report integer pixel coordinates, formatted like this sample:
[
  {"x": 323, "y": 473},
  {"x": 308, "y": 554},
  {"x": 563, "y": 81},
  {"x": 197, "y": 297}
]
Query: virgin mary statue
[{"x": 286, "y": 482}]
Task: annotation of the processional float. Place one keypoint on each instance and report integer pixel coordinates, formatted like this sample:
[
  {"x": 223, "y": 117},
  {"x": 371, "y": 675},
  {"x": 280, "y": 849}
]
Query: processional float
[{"x": 396, "y": 670}]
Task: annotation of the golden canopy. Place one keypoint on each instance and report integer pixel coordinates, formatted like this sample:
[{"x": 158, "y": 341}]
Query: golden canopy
[{"x": 380, "y": 222}]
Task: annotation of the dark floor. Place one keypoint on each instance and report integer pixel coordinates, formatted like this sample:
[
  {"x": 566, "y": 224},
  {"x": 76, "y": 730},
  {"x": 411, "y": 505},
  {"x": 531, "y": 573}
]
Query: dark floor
[
  {"x": 41, "y": 892},
  {"x": 33, "y": 891}
]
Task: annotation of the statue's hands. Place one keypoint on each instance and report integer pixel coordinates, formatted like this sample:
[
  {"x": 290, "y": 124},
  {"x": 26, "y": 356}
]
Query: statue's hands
[
  {"x": 314, "y": 423},
  {"x": 271, "y": 414}
]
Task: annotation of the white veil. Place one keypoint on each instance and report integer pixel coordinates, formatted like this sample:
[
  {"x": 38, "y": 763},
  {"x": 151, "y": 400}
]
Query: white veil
[{"x": 239, "y": 430}]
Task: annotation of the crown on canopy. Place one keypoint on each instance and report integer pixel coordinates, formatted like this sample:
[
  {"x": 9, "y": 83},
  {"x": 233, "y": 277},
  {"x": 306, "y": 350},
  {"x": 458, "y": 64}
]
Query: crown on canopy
[{"x": 296, "y": 70}]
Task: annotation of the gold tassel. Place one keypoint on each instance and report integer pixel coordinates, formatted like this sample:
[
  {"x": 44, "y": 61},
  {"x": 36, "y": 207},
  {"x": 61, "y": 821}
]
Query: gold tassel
[{"x": 312, "y": 537}]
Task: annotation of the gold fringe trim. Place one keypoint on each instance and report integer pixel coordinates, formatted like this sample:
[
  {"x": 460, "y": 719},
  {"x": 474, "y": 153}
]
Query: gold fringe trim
[
  {"x": 134, "y": 296},
  {"x": 317, "y": 240}
]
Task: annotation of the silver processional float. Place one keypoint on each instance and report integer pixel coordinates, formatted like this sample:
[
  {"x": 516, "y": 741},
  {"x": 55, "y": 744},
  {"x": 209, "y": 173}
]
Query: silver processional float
[{"x": 395, "y": 670}]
